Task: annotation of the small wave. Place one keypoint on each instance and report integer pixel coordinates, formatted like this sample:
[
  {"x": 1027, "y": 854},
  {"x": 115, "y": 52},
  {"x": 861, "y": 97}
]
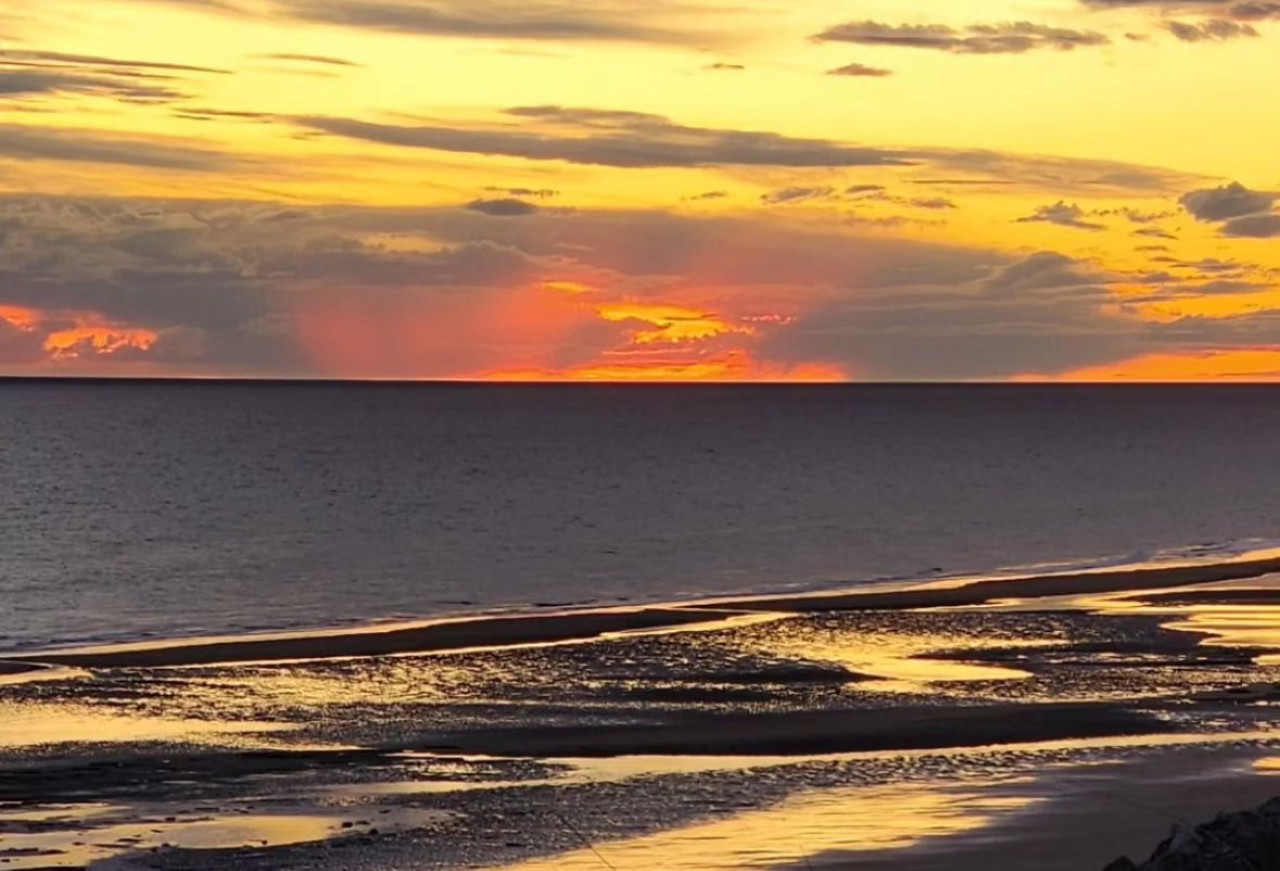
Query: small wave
[{"x": 1205, "y": 553}]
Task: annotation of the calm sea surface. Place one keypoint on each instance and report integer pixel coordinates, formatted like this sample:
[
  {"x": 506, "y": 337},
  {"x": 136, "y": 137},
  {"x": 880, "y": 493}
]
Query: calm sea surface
[{"x": 137, "y": 510}]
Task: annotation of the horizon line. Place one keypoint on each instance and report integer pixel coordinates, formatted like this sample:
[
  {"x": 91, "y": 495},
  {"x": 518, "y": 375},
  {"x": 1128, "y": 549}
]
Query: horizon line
[{"x": 481, "y": 382}]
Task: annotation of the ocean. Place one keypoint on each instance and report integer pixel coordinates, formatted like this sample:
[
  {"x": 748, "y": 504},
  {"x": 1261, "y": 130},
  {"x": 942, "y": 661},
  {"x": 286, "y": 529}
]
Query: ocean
[{"x": 135, "y": 510}]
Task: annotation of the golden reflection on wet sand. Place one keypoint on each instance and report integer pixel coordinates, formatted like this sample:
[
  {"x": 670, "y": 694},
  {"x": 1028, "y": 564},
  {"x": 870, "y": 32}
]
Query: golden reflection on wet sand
[
  {"x": 862, "y": 819},
  {"x": 1236, "y": 626},
  {"x": 20, "y": 673},
  {"x": 619, "y": 768},
  {"x": 73, "y": 836},
  {"x": 32, "y": 725},
  {"x": 616, "y": 769},
  {"x": 899, "y": 661},
  {"x": 814, "y": 829},
  {"x": 1228, "y": 624}
]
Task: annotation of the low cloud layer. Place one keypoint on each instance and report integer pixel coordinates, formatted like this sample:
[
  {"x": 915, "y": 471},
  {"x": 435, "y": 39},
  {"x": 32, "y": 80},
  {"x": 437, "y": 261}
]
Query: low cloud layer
[{"x": 228, "y": 287}]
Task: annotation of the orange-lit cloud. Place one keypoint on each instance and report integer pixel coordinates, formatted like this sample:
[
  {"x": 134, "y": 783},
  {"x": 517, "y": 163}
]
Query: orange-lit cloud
[
  {"x": 555, "y": 330},
  {"x": 669, "y": 323},
  {"x": 90, "y": 339},
  {"x": 1256, "y": 364},
  {"x": 71, "y": 337},
  {"x": 22, "y": 318},
  {"x": 737, "y": 366},
  {"x": 604, "y": 202}
]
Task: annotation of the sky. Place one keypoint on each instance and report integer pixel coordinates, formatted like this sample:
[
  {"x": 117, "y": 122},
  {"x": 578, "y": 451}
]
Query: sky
[{"x": 600, "y": 190}]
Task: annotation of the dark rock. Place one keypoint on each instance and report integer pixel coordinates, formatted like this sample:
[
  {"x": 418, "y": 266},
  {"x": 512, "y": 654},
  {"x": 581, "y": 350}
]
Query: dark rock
[
  {"x": 1124, "y": 863},
  {"x": 1245, "y": 841}
]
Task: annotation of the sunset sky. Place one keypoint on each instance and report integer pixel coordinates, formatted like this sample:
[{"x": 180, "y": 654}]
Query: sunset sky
[{"x": 616, "y": 190}]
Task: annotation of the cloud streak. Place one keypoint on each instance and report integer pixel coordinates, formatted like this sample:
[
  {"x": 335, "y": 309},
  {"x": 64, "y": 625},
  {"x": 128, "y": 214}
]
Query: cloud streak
[
  {"x": 33, "y": 82},
  {"x": 636, "y": 140},
  {"x": 496, "y": 19},
  {"x": 857, "y": 70},
  {"x": 18, "y": 142},
  {"x": 1064, "y": 215},
  {"x": 618, "y": 139},
  {"x": 90, "y": 60},
  {"x": 1017, "y": 37},
  {"x": 1211, "y": 30}
]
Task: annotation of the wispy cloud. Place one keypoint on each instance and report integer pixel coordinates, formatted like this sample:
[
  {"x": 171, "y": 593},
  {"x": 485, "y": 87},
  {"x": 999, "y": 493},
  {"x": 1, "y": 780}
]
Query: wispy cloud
[
  {"x": 114, "y": 63},
  {"x": 1014, "y": 37},
  {"x": 31, "y": 73},
  {"x": 322, "y": 60},
  {"x": 503, "y": 208},
  {"x": 1064, "y": 215},
  {"x": 858, "y": 70},
  {"x": 637, "y": 140},
  {"x": 1211, "y": 30},
  {"x": 619, "y": 139},
  {"x": 504, "y": 19},
  {"x": 19, "y": 142}
]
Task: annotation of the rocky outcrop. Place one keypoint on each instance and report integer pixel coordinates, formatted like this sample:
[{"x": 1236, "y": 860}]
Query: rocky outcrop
[{"x": 1245, "y": 841}]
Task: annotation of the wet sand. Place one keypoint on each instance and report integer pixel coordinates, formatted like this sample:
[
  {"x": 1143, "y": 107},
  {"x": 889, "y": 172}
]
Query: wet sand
[
  {"x": 804, "y": 733},
  {"x": 682, "y": 708},
  {"x": 1067, "y": 818},
  {"x": 1259, "y": 597},
  {"x": 1088, "y": 817},
  {"x": 9, "y": 668},
  {"x": 448, "y": 635}
]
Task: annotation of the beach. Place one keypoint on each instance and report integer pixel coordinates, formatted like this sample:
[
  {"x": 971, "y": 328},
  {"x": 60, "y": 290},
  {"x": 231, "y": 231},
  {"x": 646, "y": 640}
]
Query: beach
[
  {"x": 1001, "y": 707},
  {"x": 564, "y": 435}
]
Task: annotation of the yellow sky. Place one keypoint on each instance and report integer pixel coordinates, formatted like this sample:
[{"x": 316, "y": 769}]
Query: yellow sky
[{"x": 982, "y": 133}]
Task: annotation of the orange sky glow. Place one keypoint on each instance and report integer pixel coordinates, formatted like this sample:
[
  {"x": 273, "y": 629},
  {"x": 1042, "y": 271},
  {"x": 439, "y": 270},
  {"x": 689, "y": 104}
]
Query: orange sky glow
[{"x": 613, "y": 191}]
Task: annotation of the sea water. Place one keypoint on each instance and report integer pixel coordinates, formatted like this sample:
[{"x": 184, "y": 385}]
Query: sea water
[{"x": 132, "y": 510}]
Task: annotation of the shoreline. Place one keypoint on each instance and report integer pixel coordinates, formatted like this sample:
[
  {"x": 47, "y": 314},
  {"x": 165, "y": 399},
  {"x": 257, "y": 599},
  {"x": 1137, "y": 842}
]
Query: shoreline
[
  {"x": 487, "y": 631},
  {"x": 453, "y": 635},
  {"x": 653, "y": 736}
]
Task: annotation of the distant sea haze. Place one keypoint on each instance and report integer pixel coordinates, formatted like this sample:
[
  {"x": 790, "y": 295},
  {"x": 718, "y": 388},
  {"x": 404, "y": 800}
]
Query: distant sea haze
[{"x": 134, "y": 510}]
